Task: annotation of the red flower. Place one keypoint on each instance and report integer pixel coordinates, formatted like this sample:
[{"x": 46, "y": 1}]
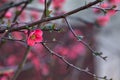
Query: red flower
[{"x": 35, "y": 36}]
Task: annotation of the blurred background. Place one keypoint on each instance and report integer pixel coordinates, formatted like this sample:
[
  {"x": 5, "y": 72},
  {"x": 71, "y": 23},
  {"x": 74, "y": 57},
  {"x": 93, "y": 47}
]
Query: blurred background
[{"x": 42, "y": 66}]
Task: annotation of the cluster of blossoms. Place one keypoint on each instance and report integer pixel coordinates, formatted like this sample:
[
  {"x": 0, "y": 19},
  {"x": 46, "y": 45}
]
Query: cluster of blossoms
[
  {"x": 72, "y": 50},
  {"x": 57, "y": 4},
  {"x": 108, "y": 8}
]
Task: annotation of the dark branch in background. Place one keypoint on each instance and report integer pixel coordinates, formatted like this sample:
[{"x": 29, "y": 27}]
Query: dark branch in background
[
  {"x": 71, "y": 65},
  {"x": 11, "y": 4},
  {"x": 3, "y": 14},
  {"x": 45, "y": 9},
  {"x": 103, "y": 9},
  {"x": 18, "y": 14},
  {"x": 4, "y": 38},
  {"x": 51, "y": 18}
]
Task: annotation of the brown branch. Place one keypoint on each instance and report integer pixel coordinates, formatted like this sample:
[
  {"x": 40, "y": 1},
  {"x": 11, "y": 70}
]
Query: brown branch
[
  {"x": 12, "y": 5},
  {"x": 51, "y": 18},
  {"x": 69, "y": 64},
  {"x": 84, "y": 43}
]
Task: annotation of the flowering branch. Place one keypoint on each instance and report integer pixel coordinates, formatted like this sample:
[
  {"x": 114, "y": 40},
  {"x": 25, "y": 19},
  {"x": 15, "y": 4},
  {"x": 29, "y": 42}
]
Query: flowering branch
[
  {"x": 35, "y": 36},
  {"x": 50, "y": 18},
  {"x": 71, "y": 65}
]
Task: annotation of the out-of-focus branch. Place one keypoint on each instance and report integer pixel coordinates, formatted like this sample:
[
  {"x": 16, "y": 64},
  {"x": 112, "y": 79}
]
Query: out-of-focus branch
[
  {"x": 11, "y": 69},
  {"x": 17, "y": 15},
  {"x": 10, "y": 5}
]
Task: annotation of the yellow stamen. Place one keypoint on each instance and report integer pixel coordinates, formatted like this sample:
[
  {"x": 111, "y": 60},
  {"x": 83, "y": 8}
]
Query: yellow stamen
[{"x": 33, "y": 37}]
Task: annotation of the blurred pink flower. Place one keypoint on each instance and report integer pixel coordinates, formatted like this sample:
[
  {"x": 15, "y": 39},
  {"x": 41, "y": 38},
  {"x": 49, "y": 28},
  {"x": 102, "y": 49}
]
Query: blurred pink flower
[
  {"x": 36, "y": 63},
  {"x": 111, "y": 12},
  {"x": 45, "y": 70},
  {"x": 35, "y": 15},
  {"x": 8, "y": 14},
  {"x": 4, "y": 78},
  {"x": 104, "y": 5},
  {"x": 102, "y": 20},
  {"x": 114, "y": 2},
  {"x": 41, "y": 1},
  {"x": 35, "y": 36},
  {"x": 58, "y": 3},
  {"x": 11, "y": 60},
  {"x": 62, "y": 50}
]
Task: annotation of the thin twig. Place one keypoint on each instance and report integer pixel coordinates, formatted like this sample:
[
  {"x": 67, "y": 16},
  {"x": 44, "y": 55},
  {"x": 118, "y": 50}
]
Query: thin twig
[
  {"x": 18, "y": 14},
  {"x": 12, "y": 5},
  {"x": 69, "y": 64},
  {"x": 84, "y": 43},
  {"x": 4, "y": 38},
  {"x": 46, "y": 7}
]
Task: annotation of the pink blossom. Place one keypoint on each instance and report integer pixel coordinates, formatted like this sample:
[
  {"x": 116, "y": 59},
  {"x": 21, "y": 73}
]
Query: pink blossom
[
  {"x": 36, "y": 63},
  {"x": 35, "y": 36},
  {"x": 104, "y": 5},
  {"x": 114, "y": 2},
  {"x": 45, "y": 70},
  {"x": 30, "y": 55},
  {"x": 58, "y": 3},
  {"x": 4, "y": 78},
  {"x": 23, "y": 16},
  {"x": 17, "y": 35},
  {"x": 102, "y": 20},
  {"x": 11, "y": 60},
  {"x": 111, "y": 12},
  {"x": 35, "y": 14},
  {"x": 8, "y": 14},
  {"x": 62, "y": 50},
  {"x": 41, "y": 1}
]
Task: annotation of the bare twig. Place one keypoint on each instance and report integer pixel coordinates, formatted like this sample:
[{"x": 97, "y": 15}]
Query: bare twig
[
  {"x": 12, "y": 5},
  {"x": 69, "y": 64},
  {"x": 80, "y": 40},
  {"x": 17, "y": 14}
]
